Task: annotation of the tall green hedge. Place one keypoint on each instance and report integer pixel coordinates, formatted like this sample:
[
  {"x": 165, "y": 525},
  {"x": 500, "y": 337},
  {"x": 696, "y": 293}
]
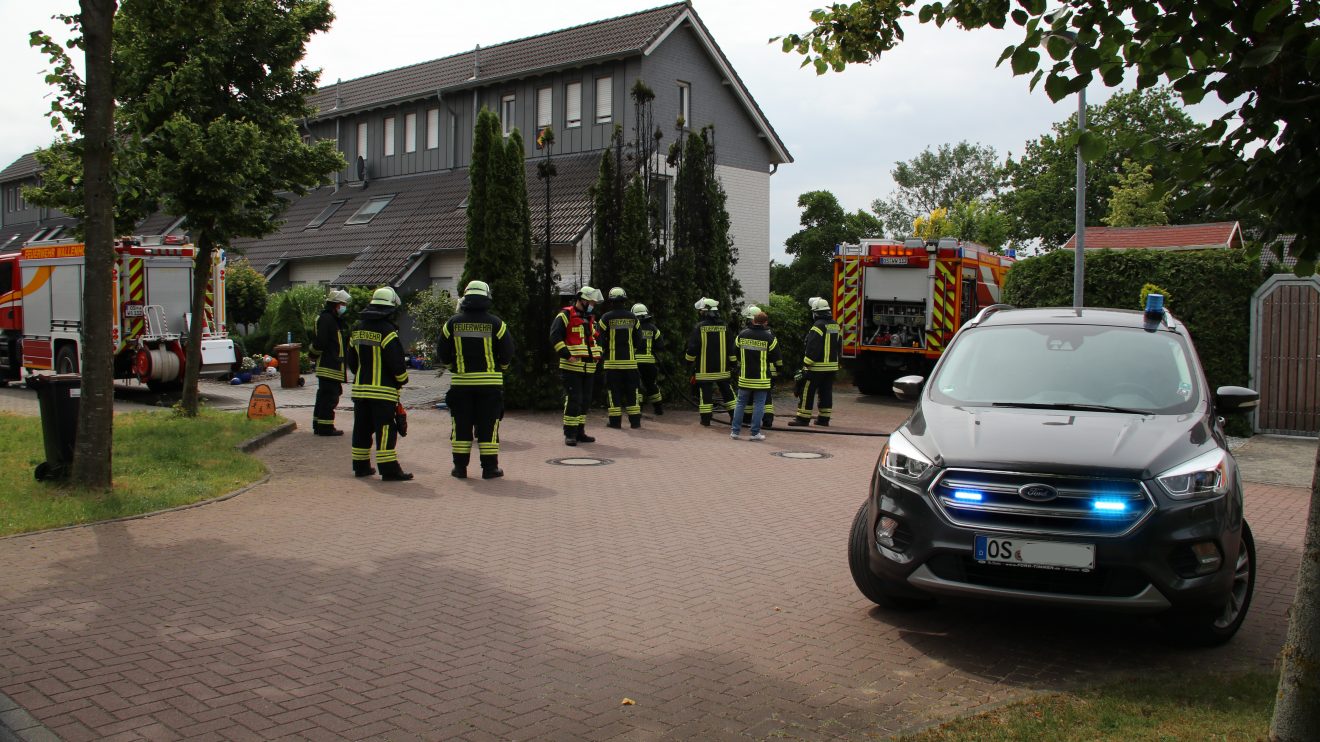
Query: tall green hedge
[{"x": 1210, "y": 293}]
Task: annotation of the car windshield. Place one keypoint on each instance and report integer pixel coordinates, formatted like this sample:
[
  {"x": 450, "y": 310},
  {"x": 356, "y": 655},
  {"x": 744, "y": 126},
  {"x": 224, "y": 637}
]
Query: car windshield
[{"x": 1069, "y": 366}]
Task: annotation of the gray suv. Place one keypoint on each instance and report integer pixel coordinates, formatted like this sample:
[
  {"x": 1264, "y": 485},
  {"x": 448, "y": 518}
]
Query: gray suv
[{"x": 1065, "y": 457}]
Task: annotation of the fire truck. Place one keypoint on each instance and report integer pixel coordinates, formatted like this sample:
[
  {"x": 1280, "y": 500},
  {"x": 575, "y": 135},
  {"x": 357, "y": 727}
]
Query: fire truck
[
  {"x": 41, "y": 311},
  {"x": 898, "y": 304}
]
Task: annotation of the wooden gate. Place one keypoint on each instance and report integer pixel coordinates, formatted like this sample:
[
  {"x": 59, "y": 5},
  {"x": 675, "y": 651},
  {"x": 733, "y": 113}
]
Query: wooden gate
[{"x": 1285, "y": 353}]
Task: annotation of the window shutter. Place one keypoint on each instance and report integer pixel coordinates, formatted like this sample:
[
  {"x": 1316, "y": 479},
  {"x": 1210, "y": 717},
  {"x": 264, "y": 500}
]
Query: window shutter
[
  {"x": 543, "y": 108},
  {"x": 604, "y": 99},
  {"x": 573, "y": 104}
]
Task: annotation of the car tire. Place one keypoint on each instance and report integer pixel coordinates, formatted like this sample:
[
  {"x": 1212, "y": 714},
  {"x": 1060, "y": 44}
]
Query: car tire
[
  {"x": 1212, "y": 628},
  {"x": 66, "y": 360},
  {"x": 879, "y": 591}
]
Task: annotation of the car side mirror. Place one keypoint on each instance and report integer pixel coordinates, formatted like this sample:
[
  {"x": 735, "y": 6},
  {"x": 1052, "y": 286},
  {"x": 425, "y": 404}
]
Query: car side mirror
[
  {"x": 1230, "y": 399},
  {"x": 908, "y": 388}
]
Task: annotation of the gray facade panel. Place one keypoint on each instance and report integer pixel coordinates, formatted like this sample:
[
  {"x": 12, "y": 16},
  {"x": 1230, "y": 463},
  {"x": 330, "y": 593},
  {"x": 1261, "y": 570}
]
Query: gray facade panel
[{"x": 681, "y": 57}]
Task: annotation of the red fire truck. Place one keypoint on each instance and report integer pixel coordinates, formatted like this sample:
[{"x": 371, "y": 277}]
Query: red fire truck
[
  {"x": 899, "y": 303},
  {"x": 41, "y": 311}
]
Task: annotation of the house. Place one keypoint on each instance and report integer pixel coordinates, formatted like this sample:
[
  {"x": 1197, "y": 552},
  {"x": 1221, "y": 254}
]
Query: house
[
  {"x": 1168, "y": 238},
  {"x": 396, "y": 214}
]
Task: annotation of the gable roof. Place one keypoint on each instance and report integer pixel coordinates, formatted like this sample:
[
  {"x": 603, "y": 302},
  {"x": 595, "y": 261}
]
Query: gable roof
[
  {"x": 23, "y": 167},
  {"x": 613, "y": 38},
  {"x": 424, "y": 217},
  {"x": 1169, "y": 237}
]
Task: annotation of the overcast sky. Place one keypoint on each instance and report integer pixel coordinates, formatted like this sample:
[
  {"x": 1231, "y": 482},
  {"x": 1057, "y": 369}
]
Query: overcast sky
[{"x": 844, "y": 130}]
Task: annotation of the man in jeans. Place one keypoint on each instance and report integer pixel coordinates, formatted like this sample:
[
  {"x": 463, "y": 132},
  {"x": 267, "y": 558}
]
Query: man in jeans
[{"x": 758, "y": 355}]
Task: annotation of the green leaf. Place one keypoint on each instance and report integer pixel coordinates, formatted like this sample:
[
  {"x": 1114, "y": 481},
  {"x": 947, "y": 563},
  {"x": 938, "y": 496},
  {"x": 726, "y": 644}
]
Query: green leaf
[
  {"x": 1262, "y": 54},
  {"x": 1056, "y": 87},
  {"x": 1025, "y": 60},
  {"x": 1008, "y": 52},
  {"x": 1035, "y": 79},
  {"x": 1093, "y": 146},
  {"x": 1057, "y": 46},
  {"x": 925, "y": 14},
  {"x": 1020, "y": 17},
  {"x": 1267, "y": 14}
]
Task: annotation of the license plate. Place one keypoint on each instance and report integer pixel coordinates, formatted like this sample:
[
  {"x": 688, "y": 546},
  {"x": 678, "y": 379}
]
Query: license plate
[{"x": 1041, "y": 554}]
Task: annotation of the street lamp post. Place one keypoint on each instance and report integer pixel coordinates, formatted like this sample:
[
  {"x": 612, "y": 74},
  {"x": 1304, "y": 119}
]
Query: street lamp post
[{"x": 1079, "y": 259}]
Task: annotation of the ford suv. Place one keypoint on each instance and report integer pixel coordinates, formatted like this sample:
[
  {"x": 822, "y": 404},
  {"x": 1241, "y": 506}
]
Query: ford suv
[{"x": 1066, "y": 457}]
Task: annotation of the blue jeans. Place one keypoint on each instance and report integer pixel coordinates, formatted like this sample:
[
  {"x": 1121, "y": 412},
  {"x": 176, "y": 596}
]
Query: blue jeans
[{"x": 758, "y": 396}]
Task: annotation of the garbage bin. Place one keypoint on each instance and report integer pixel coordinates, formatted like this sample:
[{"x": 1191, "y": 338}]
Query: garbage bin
[
  {"x": 58, "y": 398},
  {"x": 287, "y": 355}
]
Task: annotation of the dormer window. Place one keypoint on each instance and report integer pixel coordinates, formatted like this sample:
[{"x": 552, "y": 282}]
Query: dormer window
[{"x": 370, "y": 209}]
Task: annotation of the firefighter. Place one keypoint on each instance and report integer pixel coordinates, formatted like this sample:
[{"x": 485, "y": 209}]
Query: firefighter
[
  {"x": 820, "y": 363},
  {"x": 375, "y": 355},
  {"x": 758, "y": 357},
  {"x": 477, "y": 347},
  {"x": 647, "y": 366},
  {"x": 328, "y": 352},
  {"x": 710, "y": 353},
  {"x": 573, "y": 337},
  {"x": 768, "y": 419},
  {"x": 620, "y": 337}
]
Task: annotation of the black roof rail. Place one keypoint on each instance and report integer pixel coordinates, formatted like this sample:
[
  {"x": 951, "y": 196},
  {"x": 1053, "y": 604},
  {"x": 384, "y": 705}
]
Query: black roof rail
[{"x": 984, "y": 314}]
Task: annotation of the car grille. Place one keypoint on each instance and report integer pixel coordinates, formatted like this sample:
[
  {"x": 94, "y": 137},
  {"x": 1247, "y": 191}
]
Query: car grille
[
  {"x": 1112, "y": 582},
  {"x": 990, "y": 500}
]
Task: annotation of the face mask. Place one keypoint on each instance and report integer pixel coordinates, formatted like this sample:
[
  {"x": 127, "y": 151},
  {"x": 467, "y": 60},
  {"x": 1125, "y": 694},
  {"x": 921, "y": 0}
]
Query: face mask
[{"x": 341, "y": 309}]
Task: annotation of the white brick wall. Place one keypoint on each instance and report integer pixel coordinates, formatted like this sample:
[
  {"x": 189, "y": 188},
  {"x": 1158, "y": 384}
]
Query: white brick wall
[
  {"x": 317, "y": 271},
  {"x": 446, "y": 267},
  {"x": 748, "y": 204}
]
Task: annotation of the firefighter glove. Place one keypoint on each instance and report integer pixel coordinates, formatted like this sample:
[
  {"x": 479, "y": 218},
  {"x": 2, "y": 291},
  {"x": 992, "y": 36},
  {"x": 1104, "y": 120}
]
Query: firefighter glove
[{"x": 401, "y": 419}]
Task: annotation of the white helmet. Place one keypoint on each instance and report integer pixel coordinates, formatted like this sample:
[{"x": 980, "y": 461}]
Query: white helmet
[
  {"x": 587, "y": 293},
  {"x": 385, "y": 297},
  {"x": 618, "y": 293},
  {"x": 477, "y": 288},
  {"x": 750, "y": 311},
  {"x": 338, "y": 296},
  {"x": 641, "y": 311},
  {"x": 705, "y": 304},
  {"x": 817, "y": 304}
]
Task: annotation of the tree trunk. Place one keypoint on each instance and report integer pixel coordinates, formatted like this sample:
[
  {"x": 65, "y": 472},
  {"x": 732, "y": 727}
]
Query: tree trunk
[
  {"x": 192, "y": 368},
  {"x": 91, "y": 456},
  {"x": 1297, "y": 710}
]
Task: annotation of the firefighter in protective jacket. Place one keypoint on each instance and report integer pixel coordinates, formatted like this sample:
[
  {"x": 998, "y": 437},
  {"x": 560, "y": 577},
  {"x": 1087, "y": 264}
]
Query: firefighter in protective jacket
[
  {"x": 573, "y": 336},
  {"x": 477, "y": 347},
  {"x": 648, "y": 367},
  {"x": 376, "y": 357},
  {"x": 328, "y": 350},
  {"x": 820, "y": 363},
  {"x": 620, "y": 338},
  {"x": 768, "y": 419},
  {"x": 710, "y": 352}
]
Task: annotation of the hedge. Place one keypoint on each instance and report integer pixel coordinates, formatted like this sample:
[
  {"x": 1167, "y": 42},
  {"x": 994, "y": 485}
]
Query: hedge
[{"x": 1208, "y": 291}]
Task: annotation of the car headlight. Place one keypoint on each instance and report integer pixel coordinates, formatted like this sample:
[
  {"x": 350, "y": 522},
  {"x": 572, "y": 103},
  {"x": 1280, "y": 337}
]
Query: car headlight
[
  {"x": 901, "y": 460},
  {"x": 1204, "y": 476}
]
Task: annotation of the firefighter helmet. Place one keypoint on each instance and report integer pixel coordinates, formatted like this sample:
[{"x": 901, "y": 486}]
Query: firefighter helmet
[
  {"x": 618, "y": 293},
  {"x": 750, "y": 311},
  {"x": 587, "y": 293},
  {"x": 385, "y": 297},
  {"x": 641, "y": 311},
  {"x": 338, "y": 296},
  {"x": 705, "y": 304},
  {"x": 817, "y": 304},
  {"x": 477, "y": 288}
]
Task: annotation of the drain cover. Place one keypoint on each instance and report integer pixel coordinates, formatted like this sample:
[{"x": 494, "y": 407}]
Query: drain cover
[
  {"x": 580, "y": 461},
  {"x": 801, "y": 455}
]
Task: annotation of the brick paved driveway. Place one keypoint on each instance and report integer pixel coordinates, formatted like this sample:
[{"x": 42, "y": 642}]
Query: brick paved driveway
[{"x": 701, "y": 577}]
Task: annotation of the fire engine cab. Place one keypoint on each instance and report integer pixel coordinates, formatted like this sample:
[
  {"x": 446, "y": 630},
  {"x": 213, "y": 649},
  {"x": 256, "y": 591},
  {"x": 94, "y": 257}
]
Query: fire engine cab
[
  {"x": 41, "y": 311},
  {"x": 899, "y": 303}
]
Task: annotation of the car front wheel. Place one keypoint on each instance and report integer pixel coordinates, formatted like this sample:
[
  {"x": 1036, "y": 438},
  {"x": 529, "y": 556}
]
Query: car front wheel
[
  {"x": 1209, "y": 629},
  {"x": 879, "y": 591}
]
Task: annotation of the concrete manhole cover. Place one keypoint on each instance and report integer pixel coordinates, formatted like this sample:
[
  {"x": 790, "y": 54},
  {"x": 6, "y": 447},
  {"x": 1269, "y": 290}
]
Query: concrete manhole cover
[
  {"x": 801, "y": 455},
  {"x": 580, "y": 461}
]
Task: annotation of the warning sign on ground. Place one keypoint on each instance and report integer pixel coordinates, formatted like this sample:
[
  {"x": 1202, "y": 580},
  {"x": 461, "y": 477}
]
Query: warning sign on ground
[{"x": 262, "y": 402}]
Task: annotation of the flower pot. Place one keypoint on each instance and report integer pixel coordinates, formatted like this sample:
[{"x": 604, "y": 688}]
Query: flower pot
[{"x": 245, "y": 376}]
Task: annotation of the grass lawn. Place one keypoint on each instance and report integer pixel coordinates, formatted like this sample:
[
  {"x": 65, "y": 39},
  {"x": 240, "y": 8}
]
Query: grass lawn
[
  {"x": 161, "y": 460},
  {"x": 1187, "y": 706}
]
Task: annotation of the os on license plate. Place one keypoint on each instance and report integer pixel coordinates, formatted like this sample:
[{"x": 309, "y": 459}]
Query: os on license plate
[{"x": 1046, "y": 554}]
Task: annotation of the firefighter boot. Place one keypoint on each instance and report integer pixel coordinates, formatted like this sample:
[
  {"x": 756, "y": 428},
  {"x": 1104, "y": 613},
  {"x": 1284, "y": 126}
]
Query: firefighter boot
[
  {"x": 490, "y": 466},
  {"x": 635, "y": 421},
  {"x": 581, "y": 435},
  {"x": 460, "y": 465},
  {"x": 659, "y": 408},
  {"x": 799, "y": 422},
  {"x": 705, "y": 419},
  {"x": 392, "y": 472},
  {"x": 768, "y": 420},
  {"x": 362, "y": 469},
  {"x": 570, "y": 435},
  {"x": 325, "y": 429},
  {"x": 616, "y": 422},
  {"x": 823, "y": 422}
]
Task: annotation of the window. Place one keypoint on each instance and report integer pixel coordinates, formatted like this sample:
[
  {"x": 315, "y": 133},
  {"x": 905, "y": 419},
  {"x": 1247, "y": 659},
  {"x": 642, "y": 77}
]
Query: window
[
  {"x": 685, "y": 103},
  {"x": 410, "y": 133},
  {"x": 543, "y": 109},
  {"x": 506, "y": 112},
  {"x": 604, "y": 99},
  {"x": 362, "y": 140},
  {"x": 389, "y": 136},
  {"x": 325, "y": 214},
  {"x": 572, "y": 105},
  {"x": 370, "y": 209},
  {"x": 433, "y": 128}
]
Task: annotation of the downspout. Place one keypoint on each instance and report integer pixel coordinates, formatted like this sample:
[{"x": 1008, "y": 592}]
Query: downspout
[
  {"x": 774, "y": 168},
  {"x": 339, "y": 142}
]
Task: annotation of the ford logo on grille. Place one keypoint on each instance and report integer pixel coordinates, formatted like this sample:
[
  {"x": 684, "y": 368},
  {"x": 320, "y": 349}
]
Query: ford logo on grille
[{"x": 1037, "y": 492}]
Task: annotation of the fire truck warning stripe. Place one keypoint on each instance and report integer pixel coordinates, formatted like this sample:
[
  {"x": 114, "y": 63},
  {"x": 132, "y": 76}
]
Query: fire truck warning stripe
[{"x": 39, "y": 279}]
